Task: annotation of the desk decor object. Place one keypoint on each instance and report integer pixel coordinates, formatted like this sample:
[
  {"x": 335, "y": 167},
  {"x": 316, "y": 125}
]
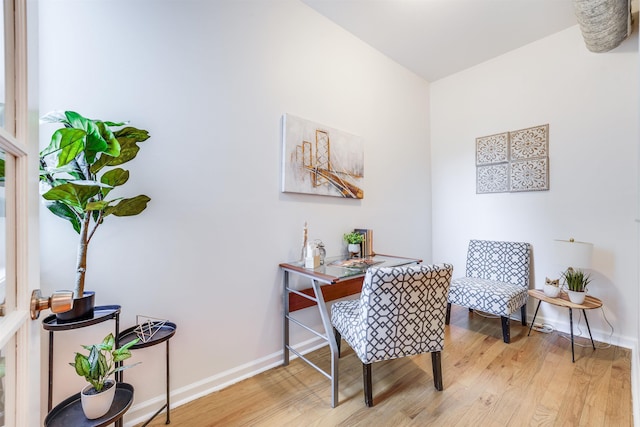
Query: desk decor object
[
  {"x": 321, "y": 160},
  {"x": 102, "y": 361},
  {"x": 513, "y": 161},
  {"x": 354, "y": 240}
]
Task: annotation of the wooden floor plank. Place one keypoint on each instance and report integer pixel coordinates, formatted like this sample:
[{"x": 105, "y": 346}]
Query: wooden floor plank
[{"x": 531, "y": 381}]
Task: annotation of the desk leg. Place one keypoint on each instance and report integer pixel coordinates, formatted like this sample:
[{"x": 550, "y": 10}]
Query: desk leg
[
  {"x": 588, "y": 328},
  {"x": 326, "y": 322},
  {"x": 285, "y": 325},
  {"x": 534, "y": 317},
  {"x": 573, "y": 356}
]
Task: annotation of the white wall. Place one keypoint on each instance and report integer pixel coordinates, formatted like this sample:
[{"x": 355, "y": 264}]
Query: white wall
[
  {"x": 590, "y": 102},
  {"x": 211, "y": 80}
]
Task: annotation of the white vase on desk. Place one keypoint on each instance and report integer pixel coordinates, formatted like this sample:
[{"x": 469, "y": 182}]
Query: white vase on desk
[
  {"x": 577, "y": 297},
  {"x": 354, "y": 249}
]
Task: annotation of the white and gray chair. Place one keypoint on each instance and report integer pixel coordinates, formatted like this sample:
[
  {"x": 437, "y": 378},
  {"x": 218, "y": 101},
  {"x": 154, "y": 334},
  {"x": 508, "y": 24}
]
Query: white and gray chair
[
  {"x": 400, "y": 312},
  {"x": 496, "y": 281}
]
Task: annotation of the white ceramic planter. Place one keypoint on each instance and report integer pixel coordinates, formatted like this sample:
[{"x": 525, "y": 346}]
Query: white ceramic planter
[
  {"x": 354, "y": 248},
  {"x": 96, "y": 405},
  {"x": 577, "y": 297},
  {"x": 551, "y": 291}
]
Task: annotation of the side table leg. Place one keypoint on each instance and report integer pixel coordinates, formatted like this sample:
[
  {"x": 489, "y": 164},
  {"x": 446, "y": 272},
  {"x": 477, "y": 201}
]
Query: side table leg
[
  {"x": 534, "y": 317},
  {"x": 50, "y": 395},
  {"x": 573, "y": 356},
  {"x": 168, "y": 393},
  {"x": 588, "y": 328}
]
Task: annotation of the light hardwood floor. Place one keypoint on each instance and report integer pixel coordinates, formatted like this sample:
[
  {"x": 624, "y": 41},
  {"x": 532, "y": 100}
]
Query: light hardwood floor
[{"x": 530, "y": 382}]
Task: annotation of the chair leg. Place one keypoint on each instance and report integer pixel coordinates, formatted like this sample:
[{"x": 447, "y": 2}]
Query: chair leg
[
  {"x": 506, "y": 330},
  {"x": 368, "y": 388},
  {"x": 447, "y": 317},
  {"x": 523, "y": 315},
  {"x": 436, "y": 364},
  {"x": 338, "y": 339}
]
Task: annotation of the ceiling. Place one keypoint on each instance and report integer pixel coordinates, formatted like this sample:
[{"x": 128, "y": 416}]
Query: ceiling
[{"x": 436, "y": 38}]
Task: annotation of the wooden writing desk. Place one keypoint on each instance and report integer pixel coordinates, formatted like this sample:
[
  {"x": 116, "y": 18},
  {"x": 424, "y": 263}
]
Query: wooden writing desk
[{"x": 338, "y": 281}]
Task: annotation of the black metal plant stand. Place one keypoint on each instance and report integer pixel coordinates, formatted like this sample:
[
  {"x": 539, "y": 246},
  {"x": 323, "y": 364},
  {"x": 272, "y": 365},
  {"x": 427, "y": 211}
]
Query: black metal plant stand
[{"x": 165, "y": 330}]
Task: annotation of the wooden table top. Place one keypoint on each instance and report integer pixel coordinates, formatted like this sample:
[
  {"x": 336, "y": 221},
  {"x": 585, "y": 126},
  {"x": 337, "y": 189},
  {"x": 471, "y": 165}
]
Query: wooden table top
[{"x": 562, "y": 300}]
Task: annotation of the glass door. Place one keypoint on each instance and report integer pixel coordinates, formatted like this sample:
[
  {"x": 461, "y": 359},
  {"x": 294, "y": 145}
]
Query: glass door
[{"x": 19, "y": 336}]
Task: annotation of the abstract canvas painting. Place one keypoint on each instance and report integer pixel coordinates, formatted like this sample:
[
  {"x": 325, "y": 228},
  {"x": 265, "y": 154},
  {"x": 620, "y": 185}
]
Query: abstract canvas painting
[
  {"x": 513, "y": 161},
  {"x": 321, "y": 160}
]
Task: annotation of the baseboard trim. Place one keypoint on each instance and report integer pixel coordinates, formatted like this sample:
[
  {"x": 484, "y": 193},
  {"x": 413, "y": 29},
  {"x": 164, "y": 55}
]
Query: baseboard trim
[
  {"x": 141, "y": 412},
  {"x": 635, "y": 384}
]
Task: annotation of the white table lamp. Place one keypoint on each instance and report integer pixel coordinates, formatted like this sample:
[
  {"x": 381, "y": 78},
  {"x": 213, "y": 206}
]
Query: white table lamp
[{"x": 571, "y": 253}]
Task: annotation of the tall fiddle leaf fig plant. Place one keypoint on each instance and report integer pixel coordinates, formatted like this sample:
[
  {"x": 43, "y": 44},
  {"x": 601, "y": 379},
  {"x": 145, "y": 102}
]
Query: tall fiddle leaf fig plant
[{"x": 79, "y": 169}]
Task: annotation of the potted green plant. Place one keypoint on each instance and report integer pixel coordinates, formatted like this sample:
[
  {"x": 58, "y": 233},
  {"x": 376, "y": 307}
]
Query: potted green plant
[
  {"x": 96, "y": 367},
  {"x": 576, "y": 282},
  {"x": 78, "y": 169},
  {"x": 353, "y": 240}
]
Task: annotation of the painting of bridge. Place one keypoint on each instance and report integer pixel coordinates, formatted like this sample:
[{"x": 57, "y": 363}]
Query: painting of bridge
[{"x": 321, "y": 160}]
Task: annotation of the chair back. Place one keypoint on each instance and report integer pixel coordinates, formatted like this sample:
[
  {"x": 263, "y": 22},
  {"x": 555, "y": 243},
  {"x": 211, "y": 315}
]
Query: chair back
[
  {"x": 499, "y": 261},
  {"x": 403, "y": 310}
]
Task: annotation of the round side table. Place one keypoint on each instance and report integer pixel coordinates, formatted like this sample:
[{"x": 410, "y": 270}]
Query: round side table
[
  {"x": 164, "y": 332},
  {"x": 69, "y": 412}
]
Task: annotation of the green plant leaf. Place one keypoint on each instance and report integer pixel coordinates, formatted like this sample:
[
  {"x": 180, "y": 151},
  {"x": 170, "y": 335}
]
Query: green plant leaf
[
  {"x": 73, "y": 194},
  {"x": 115, "y": 177},
  {"x": 81, "y": 365},
  {"x": 95, "y": 143},
  {"x": 67, "y": 143},
  {"x": 64, "y": 211},
  {"x": 128, "y": 207},
  {"x": 113, "y": 146}
]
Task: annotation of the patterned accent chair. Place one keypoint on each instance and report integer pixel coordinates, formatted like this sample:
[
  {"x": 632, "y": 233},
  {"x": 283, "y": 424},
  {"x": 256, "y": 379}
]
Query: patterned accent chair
[
  {"x": 400, "y": 312},
  {"x": 496, "y": 282}
]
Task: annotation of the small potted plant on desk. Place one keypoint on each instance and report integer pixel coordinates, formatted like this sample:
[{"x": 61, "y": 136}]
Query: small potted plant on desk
[
  {"x": 96, "y": 367},
  {"x": 577, "y": 283},
  {"x": 353, "y": 240}
]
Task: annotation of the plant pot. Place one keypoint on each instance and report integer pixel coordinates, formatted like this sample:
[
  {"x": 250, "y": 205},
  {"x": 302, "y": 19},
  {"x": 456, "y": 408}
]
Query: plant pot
[
  {"x": 577, "y": 297},
  {"x": 95, "y": 405},
  {"x": 82, "y": 309},
  {"x": 354, "y": 249},
  {"x": 551, "y": 291}
]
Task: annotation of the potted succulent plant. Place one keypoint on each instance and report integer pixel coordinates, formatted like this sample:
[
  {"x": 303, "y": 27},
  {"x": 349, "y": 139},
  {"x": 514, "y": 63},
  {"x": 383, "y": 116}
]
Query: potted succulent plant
[
  {"x": 78, "y": 170},
  {"x": 353, "y": 240},
  {"x": 96, "y": 367},
  {"x": 576, "y": 282}
]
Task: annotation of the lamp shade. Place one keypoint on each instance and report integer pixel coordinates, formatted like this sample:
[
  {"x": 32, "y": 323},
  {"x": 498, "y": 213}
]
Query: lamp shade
[{"x": 570, "y": 253}]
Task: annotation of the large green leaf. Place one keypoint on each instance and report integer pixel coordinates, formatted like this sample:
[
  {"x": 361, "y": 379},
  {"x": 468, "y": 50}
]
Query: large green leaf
[
  {"x": 128, "y": 139},
  {"x": 95, "y": 143},
  {"x": 63, "y": 211},
  {"x": 128, "y": 207},
  {"x": 74, "y": 194},
  {"x": 67, "y": 143},
  {"x": 115, "y": 177},
  {"x": 113, "y": 146}
]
